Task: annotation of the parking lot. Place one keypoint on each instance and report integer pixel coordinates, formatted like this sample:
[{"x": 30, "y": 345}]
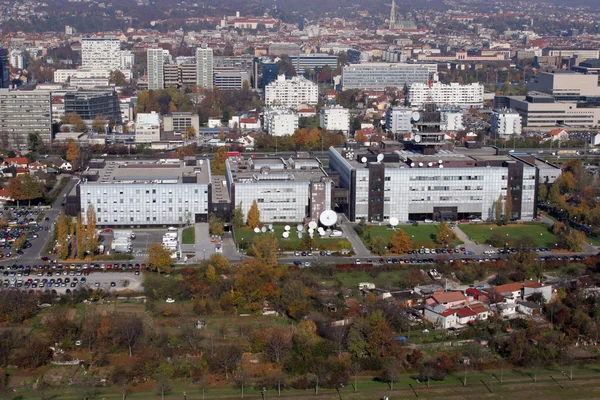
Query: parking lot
[
  {"x": 21, "y": 223},
  {"x": 143, "y": 238}
]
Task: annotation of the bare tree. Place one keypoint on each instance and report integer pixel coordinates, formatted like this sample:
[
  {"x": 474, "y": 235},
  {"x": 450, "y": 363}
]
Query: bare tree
[
  {"x": 355, "y": 370},
  {"x": 129, "y": 330},
  {"x": 279, "y": 343},
  {"x": 192, "y": 337},
  {"x": 227, "y": 358}
]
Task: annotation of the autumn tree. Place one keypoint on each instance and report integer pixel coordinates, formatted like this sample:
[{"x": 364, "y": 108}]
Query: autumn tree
[
  {"x": 62, "y": 232},
  {"x": 99, "y": 124},
  {"x": 508, "y": 208},
  {"x": 400, "y": 242},
  {"x": 19, "y": 242},
  {"x": 220, "y": 263},
  {"x": 264, "y": 248},
  {"x": 237, "y": 218},
  {"x": 215, "y": 225},
  {"x": 76, "y": 121},
  {"x": 218, "y": 162},
  {"x": 190, "y": 133},
  {"x": 91, "y": 234},
  {"x": 159, "y": 258},
  {"x": 211, "y": 275},
  {"x": 574, "y": 240},
  {"x": 73, "y": 154},
  {"x": 253, "y": 218},
  {"x": 129, "y": 330},
  {"x": 80, "y": 237},
  {"x": 279, "y": 342},
  {"x": 117, "y": 77},
  {"x": 15, "y": 189},
  {"x": 379, "y": 245},
  {"x": 445, "y": 234}
]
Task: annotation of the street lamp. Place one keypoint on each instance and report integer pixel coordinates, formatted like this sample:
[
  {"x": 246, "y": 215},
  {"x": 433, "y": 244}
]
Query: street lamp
[
  {"x": 338, "y": 390},
  {"x": 262, "y": 393},
  {"x": 205, "y": 254}
]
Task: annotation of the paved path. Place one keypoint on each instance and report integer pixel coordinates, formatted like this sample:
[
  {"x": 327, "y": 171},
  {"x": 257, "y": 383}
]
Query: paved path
[
  {"x": 469, "y": 244},
  {"x": 349, "y": 233}
]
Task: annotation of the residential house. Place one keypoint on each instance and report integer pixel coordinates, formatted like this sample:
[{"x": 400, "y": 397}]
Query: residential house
[
  {"x": 38, "y": 167},
  {"x": 447, "y": 299},
  {"x": 15, "y": 162},
  {"x": 440, "y": 317},
  {"x": 510, "y": 290},
  {"x": 61, "y": 164},
  {"x": 5, "y": 196},
  {"x": 530, "y": 287},
  {"x": 529, "y": 308},
  {"x": 558, "y": 134}
]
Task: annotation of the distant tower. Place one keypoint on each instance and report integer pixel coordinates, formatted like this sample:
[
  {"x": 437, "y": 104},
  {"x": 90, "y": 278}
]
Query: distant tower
[{"x": 393, "y": 15}]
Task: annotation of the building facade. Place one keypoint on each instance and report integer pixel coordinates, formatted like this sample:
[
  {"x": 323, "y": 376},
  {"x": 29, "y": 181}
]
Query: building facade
[
  {"x": 227, "y": 78},
  {"x": 399, "y": 119},
  {"x": 334, "y": 118},
  {"x": 291, "y": 92},
  {"x": 379, "y": 76},
  {"x": 280, "y": 122},
  {"x": 180, "y": 122},
  {"x": 204, "y": 68},
  {"x": 506, "y": 123},
  {"x": 147, "y": 127},
  {"x": 101, "y": 53},
  {"x": 143, "y": 193},
  {"x": 23, "y": 112},
  {"x": 155, "y": 67},
  {"x": 451, "y": 120},
  {"x": 90, "y": 104},
  {"x": 453, "y": 94},
  {"x": 303, "y": 62}
]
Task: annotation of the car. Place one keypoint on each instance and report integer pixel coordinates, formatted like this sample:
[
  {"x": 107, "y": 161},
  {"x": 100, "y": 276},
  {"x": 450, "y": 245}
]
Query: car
[
  {"x": 171, "y": 228},
  {"x": 113, "y": 284},
  {"x": 170, "y": 300},
  {"x": 357, "y": 261},
  {"x": 107, "y": 230},
  {"x": 307, "y": 263},
  {"x": 297, "y": 263},
  {"x": 97, "y": 284},
  {"x": 137, "y": 272},
  {"x": 83, "y": 280}
]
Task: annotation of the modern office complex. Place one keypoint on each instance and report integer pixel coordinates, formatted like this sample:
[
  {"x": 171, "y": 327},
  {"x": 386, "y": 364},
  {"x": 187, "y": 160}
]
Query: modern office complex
[
  {"x": 101, "y": 53},
  {"x": 399, "y": 119},
  {"x": 90, "y": 104},
  {"x": 155, "y": 68},
  {"x": 379, "y": 76},
  {"x": 147, "y": 127},
  {"x": 4, "y": 69},
  {"x": 66, "y": 75},
  {"x": 285, "y": 190},
  {"x": 23, "y": 112},
  {"x": 506, "y": 123},
  {"x": 334, "y": 118},
  {"x": 180, "y": 122},
  {"x": 418, "y": 184},
  {"x": 291, "y": 92},
  {"x": 204, "y": 68},
  {"x": 302, "y": 62},
  {"x": 453, "y": 94},
  {"x": 568, "y": 86},
  {"x": 141, "y": 193},
  {"x": 229, "y": 78},
  {"x": 280, "y": 122}
]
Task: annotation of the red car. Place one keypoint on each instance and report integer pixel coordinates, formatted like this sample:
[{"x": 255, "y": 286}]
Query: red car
[{"x": 107, "y": 230}]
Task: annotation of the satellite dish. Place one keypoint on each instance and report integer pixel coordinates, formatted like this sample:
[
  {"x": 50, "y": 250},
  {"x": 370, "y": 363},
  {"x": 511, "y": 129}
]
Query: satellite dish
[
  {"x": 441, "y": 166},
  {"x": 263, "y": 229},
  {"x": 379, "y": 157},
  {"x": 299, "y": 228},
  {"x": 440, "y": 161},
  {"x": 312, "y": 225},
  {"x": 430, "y": 164},
  {"x": 311, "y": 231},
  {"x": 412, "y": 164},
  {"x": 287, "y": 227},
  {"x": 416, "y": 116},
  {"x": 299, "y": 235},
  {"x": 420, "y": 164},
  {"x": 286, "y": 234},
  {"x": 321, "y": 233},
  {"x": 363, "y": 160},
  {"x": 270, "y": 226},
  {"x": 394, "y": 221},
  {"x": 256, "y": 230},
  {"x": 417, "y": 138},
  {"x": 328, "y": 218}
]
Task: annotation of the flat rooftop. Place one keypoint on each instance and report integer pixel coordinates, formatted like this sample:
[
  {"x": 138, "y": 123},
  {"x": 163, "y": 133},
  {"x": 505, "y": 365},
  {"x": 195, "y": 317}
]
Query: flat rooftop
[
  {"x": 276, "y": 169},
  {"x": 165, "y": 171}
]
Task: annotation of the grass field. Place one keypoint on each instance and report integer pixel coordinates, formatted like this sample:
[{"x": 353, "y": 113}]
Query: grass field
[
  {"x": 385, "y": 280},
  {"x": 537, "y": 231},
  {"x": 421, "y": 236},
  {"x": 246, "y": 235},
  {"x": 189, "y": 235}
]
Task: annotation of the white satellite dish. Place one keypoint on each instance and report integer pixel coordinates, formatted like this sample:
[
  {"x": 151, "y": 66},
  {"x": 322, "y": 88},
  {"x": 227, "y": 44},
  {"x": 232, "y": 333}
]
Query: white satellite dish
[
  {"x": 299, "y": 228},
  {"x": 286, "y": 234},
  {"x": 312, "y": 225},
  {"x": 412, "y": 164},
  {"x": 440, "y": 161},
  {"x": 417, "y": 138},
  {"x": 416, "y": 116},
  {"x": 363, "y": 160},
  {"x": 420, "y": 164},
  {"x": 321, "y": 233},
  {"x": 263, "y": 229},
  {"x": 256, "y": 230},
  {"x": 328, "y": 218},
  {"x": 287, "y": 228},
  {"x": 311, "y": 231},
  {"x": 299, "y": 235},
  {"x": 321, "y": 229},
  {"x": 394, "y": 221},
  {"x": 270, "y": 226},
  {"x": 441, "y": 166},
  {"x": 379, "y": 157},
  {"x": 430, "y": 164}
]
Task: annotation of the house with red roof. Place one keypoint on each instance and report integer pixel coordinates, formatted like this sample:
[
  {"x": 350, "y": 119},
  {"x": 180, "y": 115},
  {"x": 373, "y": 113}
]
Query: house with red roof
[
  {"x": 557, "y": 135},
  {"x": 15, "y": 162},
  {"x": 447, "y": 299}
]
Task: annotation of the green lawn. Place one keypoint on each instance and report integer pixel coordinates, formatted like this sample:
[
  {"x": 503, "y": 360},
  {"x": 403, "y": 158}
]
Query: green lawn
[
  {"x": 189, "y": 235},
  {"x": 381, "y": 280},
  {"x": 421, "y": 236},
  {"x": 245, "y": 235},
  {"x": 537, "y": 231}
]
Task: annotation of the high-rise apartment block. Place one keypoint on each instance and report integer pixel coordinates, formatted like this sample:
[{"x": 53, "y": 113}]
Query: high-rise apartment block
[
  {"x": 379, "y": 76},
  {"x": 204, "y": 68},
  {"x": 506, "y": 123},
  {"x": 147, "y": 127},
  {"x": 398, "y": 119},
  {"x": 23, "y": 112},
  {"x": 155, "y": 68},
  {"x": 280, "y": 122},
  {"x": 291, "y": 92},
  {"x": 453, "y": 94},
  {"x": 101, "y": 53},
  {"x": 334, "y": 118}
]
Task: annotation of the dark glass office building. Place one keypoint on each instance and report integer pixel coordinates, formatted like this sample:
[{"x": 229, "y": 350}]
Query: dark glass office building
[{"x": 90, "y": 104}]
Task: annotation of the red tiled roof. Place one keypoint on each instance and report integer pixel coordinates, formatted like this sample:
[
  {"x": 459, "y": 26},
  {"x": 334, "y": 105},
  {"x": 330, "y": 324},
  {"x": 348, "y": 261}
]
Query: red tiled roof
[
  {"x": 509, "y": 287},
  {"x": 465, "y": 312},
  {"x": 446, "y": 297}
]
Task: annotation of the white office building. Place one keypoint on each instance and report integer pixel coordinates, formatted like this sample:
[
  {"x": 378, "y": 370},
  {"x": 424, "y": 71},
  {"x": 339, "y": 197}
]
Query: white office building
[
  {"x": 280, "y": 122},
  {"x": 506, "y": 123},
  {"x": 379, "y": 76},
  {"x": 23, "y": 112},
  {"x": 291, "y": 92},
  {"x": 286, "y": 191},
  {"x": 101, "y": 53},
  {"x": 204, "y": 68},
  {"x": 65, "y": 75},
  {"x": 141, "y": 193},
  {"x": 451, "y": 120},
  {"x": 453, "y": 94},
  {"x": 399, "y": 120},
  {"x": 17, "y": 59},
  {"x": 127, "y": 59},
  {"x": 155, "y": 68},
  {"x": 147, "y": 127},
  {"x": 334, "y": 118}
]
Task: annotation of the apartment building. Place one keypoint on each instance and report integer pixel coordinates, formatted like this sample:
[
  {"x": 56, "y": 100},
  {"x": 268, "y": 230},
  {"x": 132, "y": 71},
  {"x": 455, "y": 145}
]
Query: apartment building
[
  {"x": 147, "y": 127},
  {"x": 280, "y": 122},
  {"x": 303, "y": 62},
  {"x": 335, "y": 118},
  {"x": 204, "y": 68},
  {"x": 506, "y": 123},
  {"x": 156, "y": 69},
  {"x": 453, "y": 94},
  {"x": 399, "y": 119},
  {"x": 101, "y": 53},
  {"x": 230, "y": 78},
  {"x": 291, "y": 92},
  {"x": 144, "y": 193},
  {"x": 379, "y": 76},
  {"x": 417, "y": 185},
  {"x": 23, "y": 112},
  {"x": 285, "y": 191}
]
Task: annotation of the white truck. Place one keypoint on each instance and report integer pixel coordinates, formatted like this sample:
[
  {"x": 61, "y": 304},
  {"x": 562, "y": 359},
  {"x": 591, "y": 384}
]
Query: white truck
[
  {"x": 123, "y": 234},
  {"x": 172, "y": 235},
  {"x": 336, "y": 234},
  {"x": 121, "y": 245}
]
